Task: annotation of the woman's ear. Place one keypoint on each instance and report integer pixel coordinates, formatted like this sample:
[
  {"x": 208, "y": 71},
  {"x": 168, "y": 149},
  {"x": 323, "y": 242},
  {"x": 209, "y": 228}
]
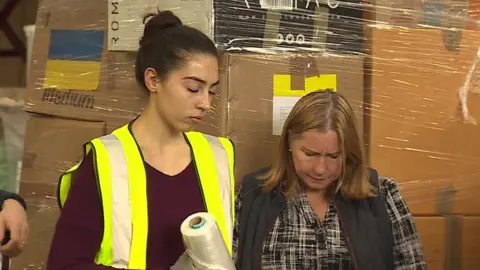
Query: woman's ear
[{"x": 151, "y": 80}]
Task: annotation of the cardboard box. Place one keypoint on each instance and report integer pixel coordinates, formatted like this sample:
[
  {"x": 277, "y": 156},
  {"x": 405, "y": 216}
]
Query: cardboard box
[
  {"x": 241, "y": 24},
  {"x": 429, "y": 13},
  {"x": 102, "y": 88},
  {"x": 450, "y": 242},
  {"x": 417, "y": 132},
  {"x": 433, "y": 232},
  {"x": 469, "y": 243},
  {"x": 62, "y": 84},
  {"x": 52, "y": 146},
  {"x": 72, "y": 77},
  {"x": 256, "y": 111},
  {"x": 333, "y": 25}
]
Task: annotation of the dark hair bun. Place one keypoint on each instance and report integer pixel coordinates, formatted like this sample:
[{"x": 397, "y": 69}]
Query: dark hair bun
[{"x": 156, "y": 22}]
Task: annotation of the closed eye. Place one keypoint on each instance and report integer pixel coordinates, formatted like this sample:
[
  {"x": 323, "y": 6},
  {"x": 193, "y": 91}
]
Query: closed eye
[
  {"x": 334, "y": 156},
  {"x": 193, "y": 90}
]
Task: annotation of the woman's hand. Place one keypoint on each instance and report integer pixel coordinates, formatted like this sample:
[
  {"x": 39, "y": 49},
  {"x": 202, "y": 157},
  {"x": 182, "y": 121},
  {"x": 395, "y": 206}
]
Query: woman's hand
[{"x": 13, "y": 218}]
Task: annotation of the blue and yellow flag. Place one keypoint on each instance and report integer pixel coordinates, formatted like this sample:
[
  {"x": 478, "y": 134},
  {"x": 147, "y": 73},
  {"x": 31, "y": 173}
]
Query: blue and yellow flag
[{"x": 74, "y": 59}]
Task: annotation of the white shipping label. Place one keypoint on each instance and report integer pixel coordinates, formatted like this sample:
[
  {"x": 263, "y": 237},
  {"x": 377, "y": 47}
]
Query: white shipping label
[
  {"x": 277, "y": 4},
  {"x": 281, "y": 109}
]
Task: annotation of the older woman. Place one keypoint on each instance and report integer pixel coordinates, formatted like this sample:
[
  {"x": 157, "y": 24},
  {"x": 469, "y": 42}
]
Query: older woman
[{"x": 319, "y": 206}]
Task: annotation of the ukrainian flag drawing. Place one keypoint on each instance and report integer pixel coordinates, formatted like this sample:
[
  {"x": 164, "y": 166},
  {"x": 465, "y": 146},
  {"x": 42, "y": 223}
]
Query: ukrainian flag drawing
[{"x": 74, "y": 59}]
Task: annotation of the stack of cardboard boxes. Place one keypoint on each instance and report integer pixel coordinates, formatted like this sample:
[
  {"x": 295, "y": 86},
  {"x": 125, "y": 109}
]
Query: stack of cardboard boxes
[
  {"x": 402, "y": 82},
  {"x": 422, "y": 110}
]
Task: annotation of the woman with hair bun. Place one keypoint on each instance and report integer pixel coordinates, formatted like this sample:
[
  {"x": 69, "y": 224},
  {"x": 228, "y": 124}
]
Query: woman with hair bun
[{"x": 123, "y": 204}]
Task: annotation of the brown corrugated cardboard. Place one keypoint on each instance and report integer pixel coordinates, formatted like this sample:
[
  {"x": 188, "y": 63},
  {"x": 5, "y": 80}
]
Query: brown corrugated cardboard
[
  {"x": 116, "y": 100},
  {"x": 416, "y": 133},
  {"x": 432, "y": 232},
  {"x": 87, "y": 14},
  {"x": 428, "y": 13},
  {"x": 112, "y": 104},
  {"x": 52, "y": 145},
  {"x": 460, "y": 243},
  {"x": 470, "y": 243},
  {"x": 269, "y": 24},
  {"x": 251, "y": 97},
  {"x": 336, "y": 26}
]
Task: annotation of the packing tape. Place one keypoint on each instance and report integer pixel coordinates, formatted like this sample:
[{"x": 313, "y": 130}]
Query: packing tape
[
  {"x": 444, "y": 200},
  {"x": 453, "y": 242},
  {"x": 43, "y": 17},
  {"x": 320, "y": 28},
  {"x": 433, "y": 13},
  {"x": 389, "y": 11},
  {"x": 301, "y": 67},
  {"x": 455, "y": 19},
  {"x": 272, "y": 27},
  {"x": 29, "y": 159},
  {"x": 306, "y": 65}
]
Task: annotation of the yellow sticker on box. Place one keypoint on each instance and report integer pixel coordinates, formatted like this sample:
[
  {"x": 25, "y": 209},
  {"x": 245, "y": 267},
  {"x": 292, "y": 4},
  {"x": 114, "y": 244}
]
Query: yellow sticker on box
[{"x": 282, "y": 84}]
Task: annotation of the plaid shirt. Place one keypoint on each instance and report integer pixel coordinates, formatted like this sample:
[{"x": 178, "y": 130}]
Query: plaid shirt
[{"x": 298, "y": 240}]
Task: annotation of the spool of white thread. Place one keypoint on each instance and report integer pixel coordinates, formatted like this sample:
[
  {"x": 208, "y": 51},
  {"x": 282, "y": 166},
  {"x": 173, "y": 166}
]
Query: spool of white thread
[{"x": 204, "y": 243}]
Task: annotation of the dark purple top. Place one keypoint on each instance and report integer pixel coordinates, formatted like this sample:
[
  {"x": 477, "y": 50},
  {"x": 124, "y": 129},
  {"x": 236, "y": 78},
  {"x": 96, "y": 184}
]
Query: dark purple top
[{"x": 79, "y": 228}]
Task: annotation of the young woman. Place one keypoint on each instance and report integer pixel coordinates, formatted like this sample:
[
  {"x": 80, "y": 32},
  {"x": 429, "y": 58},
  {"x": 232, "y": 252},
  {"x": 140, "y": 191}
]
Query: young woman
[
  {"x": 123, "y": 205},
  {"x": 318, "y": 206}
]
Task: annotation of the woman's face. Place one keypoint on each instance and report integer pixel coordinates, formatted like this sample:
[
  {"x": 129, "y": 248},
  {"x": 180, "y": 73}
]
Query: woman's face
[
  {"x": 185, "y": 97},
  {"x": 317, "y": 159}
]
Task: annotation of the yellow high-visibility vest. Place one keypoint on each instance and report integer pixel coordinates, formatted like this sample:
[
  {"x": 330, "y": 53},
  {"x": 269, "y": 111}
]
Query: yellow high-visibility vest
[{"x": 122, "y": 182}]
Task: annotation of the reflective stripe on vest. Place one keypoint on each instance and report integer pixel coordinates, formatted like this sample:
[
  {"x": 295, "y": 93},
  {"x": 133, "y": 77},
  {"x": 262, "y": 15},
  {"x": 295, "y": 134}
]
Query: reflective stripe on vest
[{"x": 122, "y": 183}]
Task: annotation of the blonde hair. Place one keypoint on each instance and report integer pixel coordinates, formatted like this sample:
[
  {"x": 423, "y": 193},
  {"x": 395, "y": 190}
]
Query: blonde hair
[{"x": 323, "y": 111}]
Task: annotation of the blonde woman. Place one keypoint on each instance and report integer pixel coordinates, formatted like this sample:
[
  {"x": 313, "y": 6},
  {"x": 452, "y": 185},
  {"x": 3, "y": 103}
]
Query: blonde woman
[{"x": 318, "y": 206}]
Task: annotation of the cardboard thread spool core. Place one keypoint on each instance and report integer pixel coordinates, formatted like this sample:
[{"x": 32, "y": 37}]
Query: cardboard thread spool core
[{"x": 196, "y": 222}]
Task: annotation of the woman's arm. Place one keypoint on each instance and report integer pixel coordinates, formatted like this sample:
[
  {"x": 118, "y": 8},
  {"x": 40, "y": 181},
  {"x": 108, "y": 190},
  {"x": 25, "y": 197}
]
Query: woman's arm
[
  {"x": 407, "y": 250},
  {"x": 5, "y": 195},
  {"x": 79, "y": 229}
]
